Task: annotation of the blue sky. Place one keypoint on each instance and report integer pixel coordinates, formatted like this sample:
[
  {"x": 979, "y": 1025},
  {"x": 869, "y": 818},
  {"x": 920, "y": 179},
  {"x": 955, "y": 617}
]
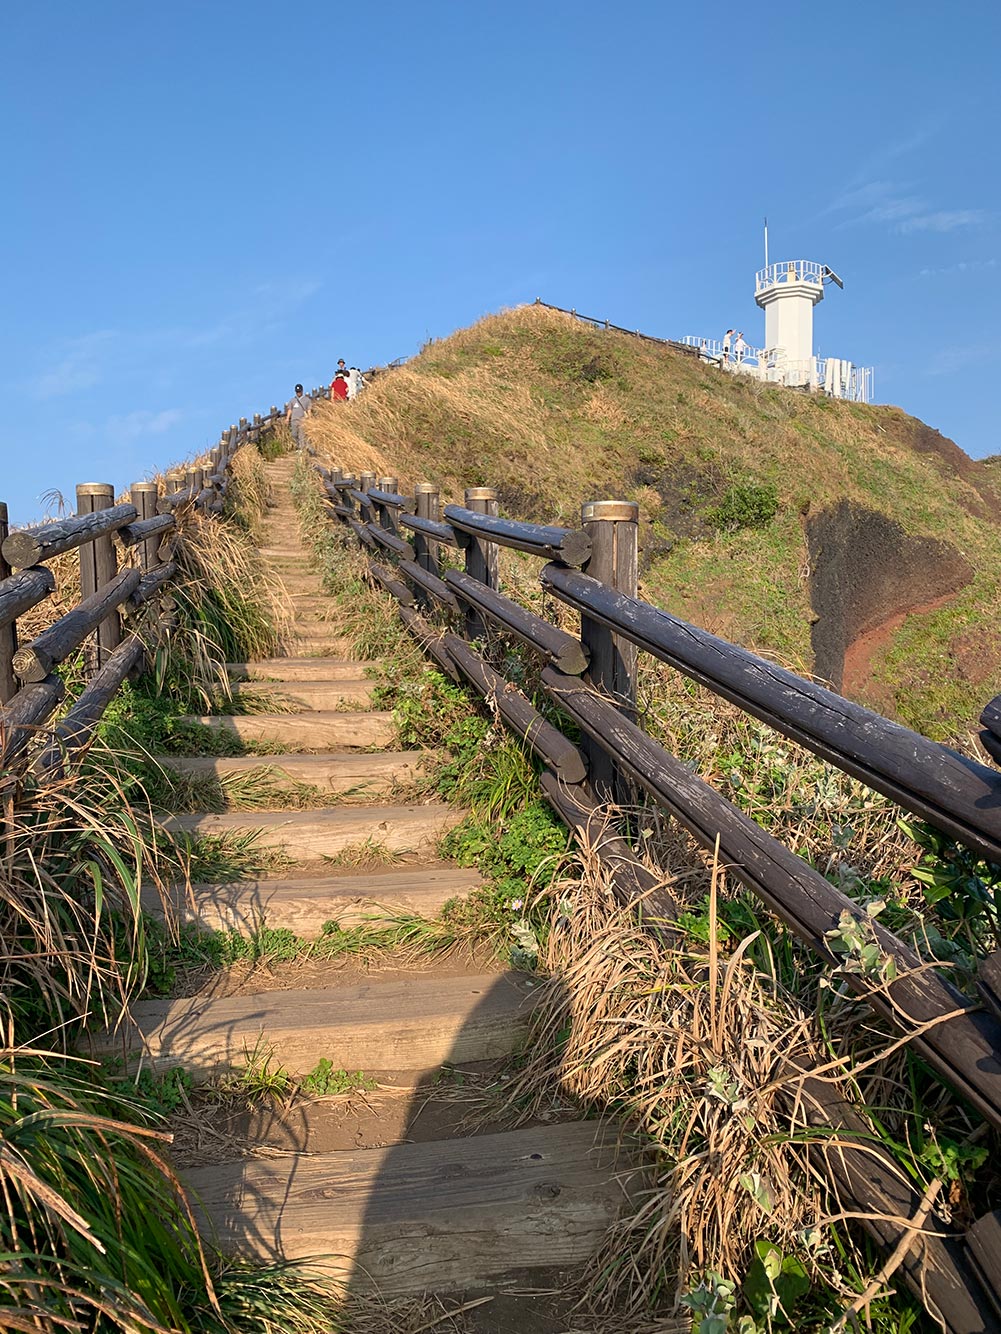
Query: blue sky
[{"x": 208, "y": 201}]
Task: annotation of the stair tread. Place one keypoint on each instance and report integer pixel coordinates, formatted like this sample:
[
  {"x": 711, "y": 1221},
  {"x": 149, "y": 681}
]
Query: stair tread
[
  {"x": 299, "y": 669},
  {"x": 402, "y": 1023},
  {"x": 351, "y": 761},
  {"x": 334, "y": 815},
  {"x": 306, "y": 903},
  {"x": 445, "y": 1214},
  {"x": 314, "y": 729},
  {"x": 316, "y": 834}
]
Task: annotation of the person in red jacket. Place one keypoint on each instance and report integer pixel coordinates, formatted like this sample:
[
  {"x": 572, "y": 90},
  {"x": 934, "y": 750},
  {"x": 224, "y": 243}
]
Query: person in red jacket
[{"x": 339, "y": 387}]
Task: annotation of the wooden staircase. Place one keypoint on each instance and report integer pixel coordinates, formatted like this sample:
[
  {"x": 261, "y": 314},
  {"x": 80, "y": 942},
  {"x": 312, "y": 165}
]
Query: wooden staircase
[{"x": 403, "y": 1214}]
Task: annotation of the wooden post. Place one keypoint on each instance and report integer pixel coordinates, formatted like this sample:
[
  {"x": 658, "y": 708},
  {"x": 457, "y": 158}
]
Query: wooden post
[
  {"x": 98, "y": 565},
  {"x": 365, "y": 481},
  {"x": 427, "y": 506},
  {"x": 144, "y": 496},
  {"x": 174, "y": 481},
  {"x": 388, "y": 514},
  {"x": 613, "y": 527},
  {"x": 482, "y": 560},
  {"x": 8, "y": 633},
  {"x": 195, "y": 480}
]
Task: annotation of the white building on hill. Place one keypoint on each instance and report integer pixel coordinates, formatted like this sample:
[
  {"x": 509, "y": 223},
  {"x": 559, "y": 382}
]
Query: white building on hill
[{"x": 787, "y": 293}]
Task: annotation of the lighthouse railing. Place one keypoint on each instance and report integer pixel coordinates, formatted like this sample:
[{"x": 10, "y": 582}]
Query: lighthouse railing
[{"x": 790, "y": 271}]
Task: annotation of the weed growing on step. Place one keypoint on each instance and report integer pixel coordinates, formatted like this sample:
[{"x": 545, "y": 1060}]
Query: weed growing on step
[
  {"x": 261, "y": 1079},
  {"x": 327, "y": 1080},
  {"x": 275, "y": 443}
]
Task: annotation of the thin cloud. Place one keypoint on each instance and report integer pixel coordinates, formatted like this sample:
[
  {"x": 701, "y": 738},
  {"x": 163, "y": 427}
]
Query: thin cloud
[
  {"x": 892, "y": 204},
  {"x": 82, "y": 365},
  {"x": 143, "y": 422},
  {"x": 269, "y": 303},
  {"x": 946, "y": 220},
  {"x": 963, "y": 266}
]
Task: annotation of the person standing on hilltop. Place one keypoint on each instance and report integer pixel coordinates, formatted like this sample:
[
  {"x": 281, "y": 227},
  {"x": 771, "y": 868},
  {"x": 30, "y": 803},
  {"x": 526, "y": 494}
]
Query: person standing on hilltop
[
  {"x": 339, "y": 387},
  {"x": 726, "y": 344},
  {"x": 740, "y": 348},
  {"x": 298, "y": 410},
  {"x": 356, "y": 382}
]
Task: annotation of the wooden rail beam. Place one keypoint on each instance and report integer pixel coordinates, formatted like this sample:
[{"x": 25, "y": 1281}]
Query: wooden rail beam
[
  {"x": 33, "y": 546},
  {"x": 33, "y": 662},
  {"x": 956, "y": 794},
  {"x": 962, "y": 1044}
]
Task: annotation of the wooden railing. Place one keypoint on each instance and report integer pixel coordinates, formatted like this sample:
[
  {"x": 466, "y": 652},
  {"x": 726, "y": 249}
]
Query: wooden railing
[
  {"x": 592, "y": 680},
  {"x": 112, "y": 600}
]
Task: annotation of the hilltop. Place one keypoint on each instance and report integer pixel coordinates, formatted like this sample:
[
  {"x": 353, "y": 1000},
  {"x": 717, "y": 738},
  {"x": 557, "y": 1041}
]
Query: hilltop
[{"x": 846, "y": 540}]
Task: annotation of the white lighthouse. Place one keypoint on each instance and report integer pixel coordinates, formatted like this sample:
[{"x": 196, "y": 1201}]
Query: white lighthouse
[{"x": 787, "y": 292}]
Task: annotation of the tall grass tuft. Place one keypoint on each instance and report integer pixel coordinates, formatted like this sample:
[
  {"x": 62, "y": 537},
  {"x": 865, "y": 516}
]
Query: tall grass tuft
[{"x": 229, "y": 608}]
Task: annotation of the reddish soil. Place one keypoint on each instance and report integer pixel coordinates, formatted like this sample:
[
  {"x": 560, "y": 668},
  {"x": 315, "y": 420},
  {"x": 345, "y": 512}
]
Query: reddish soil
[
  {"x": 867, "y": 574},
  {"x": 857, "y": 680}
]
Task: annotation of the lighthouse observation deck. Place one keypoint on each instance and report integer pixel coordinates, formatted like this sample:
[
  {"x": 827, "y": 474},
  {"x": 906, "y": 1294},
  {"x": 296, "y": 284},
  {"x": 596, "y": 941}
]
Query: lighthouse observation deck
[{"x": 790, "y": 271}]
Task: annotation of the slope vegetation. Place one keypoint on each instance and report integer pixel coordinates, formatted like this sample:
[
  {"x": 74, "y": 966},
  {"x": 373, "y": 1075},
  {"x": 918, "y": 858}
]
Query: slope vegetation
[{"x": 846, "y": 540}]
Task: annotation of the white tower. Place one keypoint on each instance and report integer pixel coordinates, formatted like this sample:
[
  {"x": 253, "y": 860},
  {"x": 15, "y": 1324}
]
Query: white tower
[{"x": 787, "y": 293}]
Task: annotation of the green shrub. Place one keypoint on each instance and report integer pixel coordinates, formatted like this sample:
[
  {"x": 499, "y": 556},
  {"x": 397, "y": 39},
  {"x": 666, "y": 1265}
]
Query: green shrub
[{"x": 744, "y": 505}]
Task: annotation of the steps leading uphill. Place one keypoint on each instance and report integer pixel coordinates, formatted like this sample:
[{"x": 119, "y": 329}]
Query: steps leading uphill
[{"x": 417, "y": 1201}]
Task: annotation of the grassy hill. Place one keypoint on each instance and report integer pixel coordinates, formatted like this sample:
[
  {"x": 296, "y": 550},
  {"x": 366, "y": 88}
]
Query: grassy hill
[{"x": 846, "y": 540}]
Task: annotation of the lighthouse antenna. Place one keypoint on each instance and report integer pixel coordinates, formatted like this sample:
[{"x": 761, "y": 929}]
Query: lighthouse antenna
[{"x": 766, "y": 243}]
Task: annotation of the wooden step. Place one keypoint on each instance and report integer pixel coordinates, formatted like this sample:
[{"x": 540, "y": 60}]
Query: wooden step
[
  {"x": 298, "y": 669},
  {"x": 324, "y": 638},
  {"x": 273, "y": 553},
  {"x": 324, "y": 695},
  {"x": 299, "y": 583},
  {"x": 308, "y": 731},
  {"x": 446, "y": 1215},
  {"x": 336, "y": 773},
  {"x": 409, "y": 1023},
  {"x": 307, "y": 904},
  {"x": 312, "y": 835}
]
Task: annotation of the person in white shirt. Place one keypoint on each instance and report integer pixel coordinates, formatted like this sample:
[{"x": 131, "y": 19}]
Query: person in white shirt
[
  {"x": 726, "y": 344},
  {"x": 740, "y": 348}
]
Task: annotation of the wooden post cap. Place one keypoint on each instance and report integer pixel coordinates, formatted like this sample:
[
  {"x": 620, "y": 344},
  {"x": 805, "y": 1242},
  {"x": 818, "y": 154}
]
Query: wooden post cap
[
  {"x": 621, "y": 511},
  {"x": 145, "y": 486},
  {"x": 95, "y": 489},
  {"x": 481, "y": 493},
  {"x": 425, "y": 489}
]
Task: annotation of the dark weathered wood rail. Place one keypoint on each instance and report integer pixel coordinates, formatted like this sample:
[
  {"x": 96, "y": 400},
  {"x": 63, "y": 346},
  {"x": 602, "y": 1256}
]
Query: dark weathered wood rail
[
  {"x": 547, "y": 741},
  {"x": 29, "y": 691},
  {"x": 559, "y": 648},
  {"x": 24, "y": 590},
  {"x": 32, "y": 546},
  {"x": 34, "y": 661},
  {"x": 572, "y": 546},
  {"x": 951, "y": 791},
  {"x": 431, "y": 528},
  {"x": 593, "y": 681},
  {"x": 964, "y": 1046}
]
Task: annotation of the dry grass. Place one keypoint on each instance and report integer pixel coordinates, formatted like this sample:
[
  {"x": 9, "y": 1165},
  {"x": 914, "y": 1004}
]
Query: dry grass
[
  {"x": 699, "y": 1050},
  {"x": 555, "y": 413}
]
